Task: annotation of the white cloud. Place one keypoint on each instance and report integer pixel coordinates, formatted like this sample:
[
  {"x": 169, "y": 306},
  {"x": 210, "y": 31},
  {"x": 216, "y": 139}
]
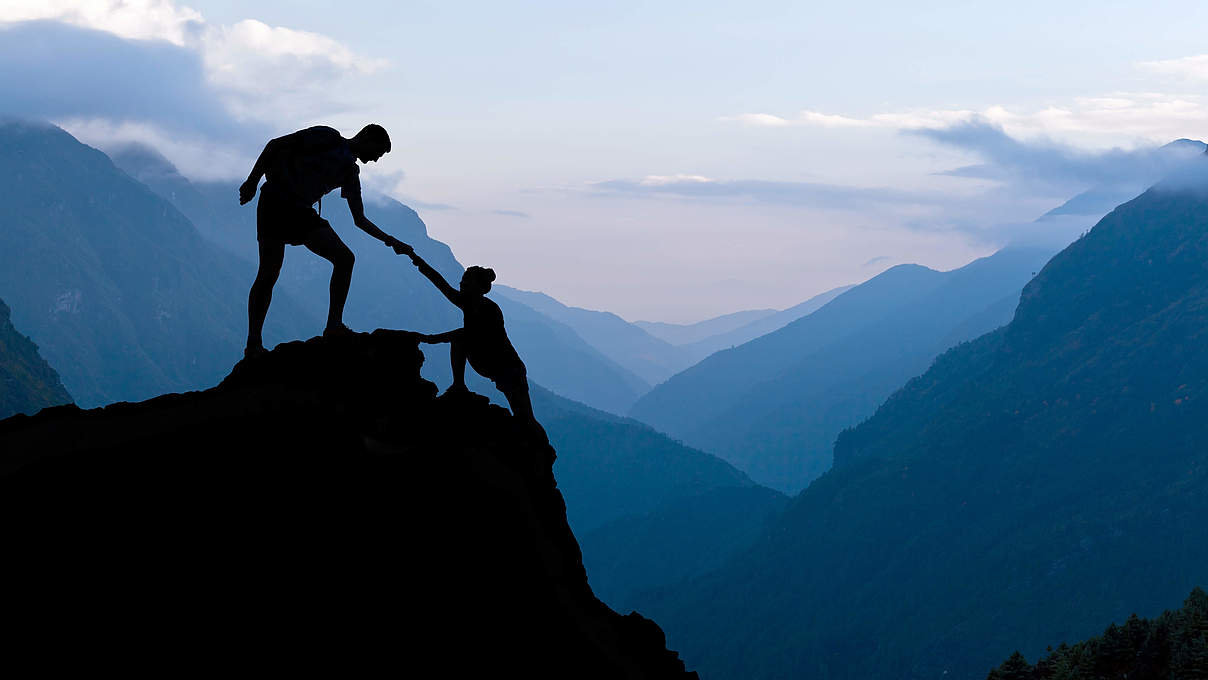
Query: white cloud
[
  {"x": 1192, "y": 68},
  {"x": 196, "y": 157},
  {"x": 1129, "y": 119},
  {"x": 663, "y": 180},
  {"x": 260, "y": 71},
  {"x": 134, "y": 19}
]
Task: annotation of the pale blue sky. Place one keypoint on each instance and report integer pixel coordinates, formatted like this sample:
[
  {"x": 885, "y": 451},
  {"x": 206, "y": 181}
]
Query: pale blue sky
[{"x": 722, "y": 155}]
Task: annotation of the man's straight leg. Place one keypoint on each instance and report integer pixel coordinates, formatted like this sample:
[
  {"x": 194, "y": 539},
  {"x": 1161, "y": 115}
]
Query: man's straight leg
[
  {"x": 272, "y": 254},
  {"x": 324, "y": 242}
]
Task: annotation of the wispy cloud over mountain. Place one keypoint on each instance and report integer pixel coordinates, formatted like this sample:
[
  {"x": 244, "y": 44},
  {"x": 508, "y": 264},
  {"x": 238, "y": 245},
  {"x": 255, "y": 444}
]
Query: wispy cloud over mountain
[
  {"x": 154, "y": 72},
  {"x": 250, "y": 64},
  {"x": 818, "y": 195},
  {"x": 1045, "y": 162},
  {"x": 1145, "y": 117}
]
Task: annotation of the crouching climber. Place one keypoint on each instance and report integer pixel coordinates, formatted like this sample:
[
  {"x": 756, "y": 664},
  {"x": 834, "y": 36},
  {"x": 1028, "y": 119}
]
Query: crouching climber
[{"x": 482, "y": 340}]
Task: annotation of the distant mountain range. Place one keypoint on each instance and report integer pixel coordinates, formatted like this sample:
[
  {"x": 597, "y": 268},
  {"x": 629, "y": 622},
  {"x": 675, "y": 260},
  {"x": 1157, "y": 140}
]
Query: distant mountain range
[
  {"x": 758, "y": 327},
  {"x": 1032, "y": 484},
  {"x": 684, "y": 334},
  {"x": 27, "y": 383},
  {"x": 648, "y": 357},
  {"x": 774, "y": 406}
]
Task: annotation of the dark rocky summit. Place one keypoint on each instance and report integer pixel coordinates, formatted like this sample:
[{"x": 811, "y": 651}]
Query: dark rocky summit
[{"x": 319, "y": 510}]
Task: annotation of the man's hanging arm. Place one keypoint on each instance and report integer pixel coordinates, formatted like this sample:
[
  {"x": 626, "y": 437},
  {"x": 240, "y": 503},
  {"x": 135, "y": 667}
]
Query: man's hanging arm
[
  {"x": 274, "y": 148},
  {"x": 357, "y": 207}
]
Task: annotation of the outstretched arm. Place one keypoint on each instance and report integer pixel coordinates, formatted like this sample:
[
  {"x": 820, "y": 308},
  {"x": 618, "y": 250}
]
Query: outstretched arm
[
  {"x": 447, "y": 336},
  {"x": 437, "y": 280},
  {"x": 268, "y": 156},
  {"x": 357, "y": 207}
]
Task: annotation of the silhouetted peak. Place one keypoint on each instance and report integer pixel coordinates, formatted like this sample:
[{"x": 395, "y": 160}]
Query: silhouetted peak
[{"x": 321, "y": 502}]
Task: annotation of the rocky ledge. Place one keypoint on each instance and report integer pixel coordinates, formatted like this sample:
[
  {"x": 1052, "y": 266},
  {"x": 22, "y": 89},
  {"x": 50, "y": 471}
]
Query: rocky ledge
[{"x": 319, "y": 511}]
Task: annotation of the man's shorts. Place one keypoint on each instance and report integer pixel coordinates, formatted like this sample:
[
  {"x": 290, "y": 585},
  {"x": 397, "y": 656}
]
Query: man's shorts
[{"x": 280, "y": 219}]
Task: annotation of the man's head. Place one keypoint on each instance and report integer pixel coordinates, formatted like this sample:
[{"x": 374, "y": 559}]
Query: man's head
[{"x": 371, "y": 143}]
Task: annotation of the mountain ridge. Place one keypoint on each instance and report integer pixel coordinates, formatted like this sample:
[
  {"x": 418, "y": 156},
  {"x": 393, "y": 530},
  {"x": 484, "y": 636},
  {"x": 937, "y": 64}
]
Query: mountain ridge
[{"x": 1033, "y": 483}]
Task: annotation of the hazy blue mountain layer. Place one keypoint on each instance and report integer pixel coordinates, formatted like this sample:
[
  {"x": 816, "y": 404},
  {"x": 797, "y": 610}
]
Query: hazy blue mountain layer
[
  {"x": 123, "y": 296},
  {"x": 386, "y": 290},
  {"x": 651, "y": 359},
  {"x": 755, "y": 328},
  {"x": 1034, "y": 483},
  {"x": 27, "y": 383},
  {"x": 686, "y": 333},
  {"x": 774, "y": 406}
]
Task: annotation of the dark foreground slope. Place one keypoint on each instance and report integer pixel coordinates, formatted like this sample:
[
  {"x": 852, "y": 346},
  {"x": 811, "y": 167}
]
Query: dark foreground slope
[
  {"x": 318, "y": 510},
  {"x": 27, "y": 382},
  {"x": 1033, "y": 484},
  {"x": 1172, "y": 645}
]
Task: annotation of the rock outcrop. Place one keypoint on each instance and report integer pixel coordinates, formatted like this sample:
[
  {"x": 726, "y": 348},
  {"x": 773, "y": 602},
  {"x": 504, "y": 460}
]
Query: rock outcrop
[{"x": 319, "y": 510}]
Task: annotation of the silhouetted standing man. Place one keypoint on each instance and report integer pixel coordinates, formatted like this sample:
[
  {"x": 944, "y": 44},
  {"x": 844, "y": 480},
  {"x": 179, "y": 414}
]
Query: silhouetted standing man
[{"x": 300, "y": 168}]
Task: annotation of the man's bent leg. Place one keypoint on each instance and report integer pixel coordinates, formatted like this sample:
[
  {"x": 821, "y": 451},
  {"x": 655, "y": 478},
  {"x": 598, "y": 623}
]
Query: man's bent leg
[
  {"x": 272, "y": 254},
  {"x": 324, "y": 242}
]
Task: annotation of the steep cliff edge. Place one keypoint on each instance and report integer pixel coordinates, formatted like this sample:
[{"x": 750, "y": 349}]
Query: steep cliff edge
[{"x": 319, "y": 509}]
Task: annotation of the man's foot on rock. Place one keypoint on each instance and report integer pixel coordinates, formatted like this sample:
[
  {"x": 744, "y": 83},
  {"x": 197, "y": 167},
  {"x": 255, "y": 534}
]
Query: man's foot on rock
[
  {"x": 253, "y": 351},
  {"x": 338, "y": 331}
]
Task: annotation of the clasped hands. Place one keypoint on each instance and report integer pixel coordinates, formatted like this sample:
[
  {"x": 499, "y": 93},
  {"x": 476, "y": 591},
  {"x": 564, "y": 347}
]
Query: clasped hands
[{"x": 399, "y": 247}]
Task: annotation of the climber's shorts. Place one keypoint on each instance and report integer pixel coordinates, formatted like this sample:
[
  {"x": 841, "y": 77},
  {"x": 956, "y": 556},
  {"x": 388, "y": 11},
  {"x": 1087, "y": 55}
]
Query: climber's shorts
[{"x": 280, "y": 219}]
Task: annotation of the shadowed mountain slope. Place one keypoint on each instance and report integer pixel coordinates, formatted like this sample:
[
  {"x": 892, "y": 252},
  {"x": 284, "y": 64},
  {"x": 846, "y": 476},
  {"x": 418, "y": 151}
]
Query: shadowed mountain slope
[
  {"x": 1172, "y": 645},
  {"x": 1034, "y": 483},
  {"x": 317, "y": 511},
  {"x": 122, "y": 295},
  {"x": 774, "y": 406},
  {"x": 27, "y": 383},
  {"x": 612, "y": 467},
  {"x": 386, "y": 291},
  {"x": 681, "y": 539},
  {"x": 648, "y": 511}
]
